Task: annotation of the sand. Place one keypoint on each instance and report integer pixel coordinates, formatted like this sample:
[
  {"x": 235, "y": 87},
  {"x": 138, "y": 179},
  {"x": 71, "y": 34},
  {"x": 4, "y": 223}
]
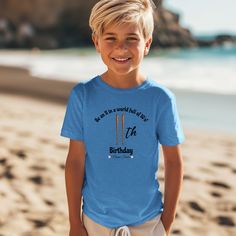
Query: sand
[{"x": 32, "y": 158}]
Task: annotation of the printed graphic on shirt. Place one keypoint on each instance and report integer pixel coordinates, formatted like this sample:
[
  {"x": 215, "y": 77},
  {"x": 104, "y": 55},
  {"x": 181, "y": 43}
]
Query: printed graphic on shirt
[{"x": 122, "y": 132}]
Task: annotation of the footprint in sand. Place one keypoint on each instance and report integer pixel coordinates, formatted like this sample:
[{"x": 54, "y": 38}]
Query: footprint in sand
[
  {"x": 36, "y": 179},
  {"x": 225, "y": 220},
  {"x": 234, "y": 171},
  {"x": 225, "y": 206},
  {"x": 8, "y": 173},
  {"x": 206, "y": 170},
  {"x": 61, "y": 146},
  {"x": 2, "y": 194},
  {"x": 39, "y": 223},
  {"x": 38, "y": 168},
  {"x": 188, "y": 177},
  {"x": 24, "y": 134},
  {"x": 62, "y": 166},
  {"x": 24, "y": 210},
  {"x": 44, "y": 140},
  {"x": 7, "y": 128},
  {"x": 220, "y": 185},
  {"x": 195, "y": 206},
  {"x": 176, "y": 231},
  {"x": 230, "y": 153},
  {"x": 229, "y": 144},
  {"x": 216, "y": 194},
  {"x": 220, "y": 164},
  {"x": 20, "y": 153},
  {"x": 39, "y": 180},
  {"x": 49, "y": 203},
  {"x": 3, "y": 161}
]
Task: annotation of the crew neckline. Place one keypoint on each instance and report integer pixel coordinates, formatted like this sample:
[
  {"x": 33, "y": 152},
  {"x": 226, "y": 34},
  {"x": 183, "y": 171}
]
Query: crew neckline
[{"x": 102, "y": 83}]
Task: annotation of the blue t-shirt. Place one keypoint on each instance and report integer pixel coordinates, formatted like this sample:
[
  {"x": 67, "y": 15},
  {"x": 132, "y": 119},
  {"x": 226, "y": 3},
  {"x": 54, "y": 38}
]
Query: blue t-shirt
[{"x": 122, "y": 130}]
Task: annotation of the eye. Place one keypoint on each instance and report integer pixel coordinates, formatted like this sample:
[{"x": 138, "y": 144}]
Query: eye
[
  {"x": 110, "y": 39},
  {"x": 132, "y": 39}
]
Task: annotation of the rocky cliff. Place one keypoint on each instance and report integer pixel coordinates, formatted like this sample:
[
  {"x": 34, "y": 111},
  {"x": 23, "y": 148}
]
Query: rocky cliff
[{"x": 64, "y": 23}]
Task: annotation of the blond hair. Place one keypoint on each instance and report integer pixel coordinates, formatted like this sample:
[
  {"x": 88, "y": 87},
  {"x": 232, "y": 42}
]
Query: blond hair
[{"x": 107, "y": 12}]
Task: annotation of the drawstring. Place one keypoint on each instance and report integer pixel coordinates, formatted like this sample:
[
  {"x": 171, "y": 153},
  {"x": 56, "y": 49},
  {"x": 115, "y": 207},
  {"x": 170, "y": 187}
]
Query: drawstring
[{"x": 125, "y": 231}]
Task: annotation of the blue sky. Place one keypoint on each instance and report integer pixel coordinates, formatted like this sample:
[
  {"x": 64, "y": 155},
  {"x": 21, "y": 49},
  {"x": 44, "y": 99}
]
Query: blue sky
[{"x": 205, "y": 16}]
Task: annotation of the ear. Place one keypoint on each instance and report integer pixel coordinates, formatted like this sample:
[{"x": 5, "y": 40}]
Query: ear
[
  {"x": 96, "y": 43},
  {"x": 147, "y": 45}
]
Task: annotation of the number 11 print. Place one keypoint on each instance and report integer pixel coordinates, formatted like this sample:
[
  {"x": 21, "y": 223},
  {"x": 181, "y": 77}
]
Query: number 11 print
[{"x": 117, "y": 128}]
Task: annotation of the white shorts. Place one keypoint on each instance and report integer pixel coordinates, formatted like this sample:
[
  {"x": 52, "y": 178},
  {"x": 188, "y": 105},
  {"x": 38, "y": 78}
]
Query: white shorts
[{"x": 153, "y": 227}]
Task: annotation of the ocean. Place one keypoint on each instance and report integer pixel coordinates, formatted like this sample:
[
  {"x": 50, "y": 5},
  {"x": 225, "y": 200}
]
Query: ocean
[{"x": 203, "y": 79}]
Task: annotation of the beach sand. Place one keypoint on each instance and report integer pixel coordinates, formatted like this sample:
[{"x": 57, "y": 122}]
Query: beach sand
[{"x": 32, "y": 160}]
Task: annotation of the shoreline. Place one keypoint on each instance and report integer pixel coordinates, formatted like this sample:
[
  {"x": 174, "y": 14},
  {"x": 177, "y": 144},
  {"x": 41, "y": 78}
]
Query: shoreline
[
  {"x": 29, "y": 85},
  {"x": 199, "y": 110},
  {"x": 7, "y": 84}
]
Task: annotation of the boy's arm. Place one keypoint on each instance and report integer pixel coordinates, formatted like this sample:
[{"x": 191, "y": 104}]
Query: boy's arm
[
  {"x": 74, "y": 177},
  {"x": 173, "y": 183}
]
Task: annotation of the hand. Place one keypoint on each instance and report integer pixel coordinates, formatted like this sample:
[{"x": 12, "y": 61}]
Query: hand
[
  {"x": 167, "y": 222},
  {"x": 78, "y": 231},
  {"x": 84, "y": 231}
]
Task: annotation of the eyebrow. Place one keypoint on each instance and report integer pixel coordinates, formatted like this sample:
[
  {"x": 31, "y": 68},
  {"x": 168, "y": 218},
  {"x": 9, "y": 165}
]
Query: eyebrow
[{"x": 109, "y": 33}]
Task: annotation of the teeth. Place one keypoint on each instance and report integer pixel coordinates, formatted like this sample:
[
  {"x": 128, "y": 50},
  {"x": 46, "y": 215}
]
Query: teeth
[{"x": 121, "y": 59}]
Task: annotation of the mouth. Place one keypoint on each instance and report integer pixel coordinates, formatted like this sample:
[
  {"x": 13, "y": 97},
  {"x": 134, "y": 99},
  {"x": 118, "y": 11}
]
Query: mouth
[{"x": 121, "y": 59}]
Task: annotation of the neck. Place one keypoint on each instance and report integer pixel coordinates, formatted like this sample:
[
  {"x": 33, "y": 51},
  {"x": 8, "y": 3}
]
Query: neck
[{"x": 123, "y": 81}]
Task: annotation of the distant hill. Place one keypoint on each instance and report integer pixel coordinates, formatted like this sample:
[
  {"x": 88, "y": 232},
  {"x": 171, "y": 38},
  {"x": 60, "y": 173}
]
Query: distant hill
[{"x": 64, "y": 23}]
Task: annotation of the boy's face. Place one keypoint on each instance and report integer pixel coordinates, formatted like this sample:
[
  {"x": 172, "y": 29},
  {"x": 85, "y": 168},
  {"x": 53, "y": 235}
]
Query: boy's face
[{"x": 122, "y": 47}]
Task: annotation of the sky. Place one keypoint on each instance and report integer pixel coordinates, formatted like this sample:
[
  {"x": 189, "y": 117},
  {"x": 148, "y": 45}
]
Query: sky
[{"x": 205, "y": 17}]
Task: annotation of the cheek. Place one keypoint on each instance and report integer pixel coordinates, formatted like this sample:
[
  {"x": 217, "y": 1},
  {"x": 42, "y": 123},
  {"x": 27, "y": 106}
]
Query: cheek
[
  {"x": 106, "y": 47},
  {"x": 139, "y": 50},
  {"x": 139, "y": 47}
]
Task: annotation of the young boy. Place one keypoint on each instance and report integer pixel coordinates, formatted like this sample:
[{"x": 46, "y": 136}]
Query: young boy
[{"x": 116, "y": 122}]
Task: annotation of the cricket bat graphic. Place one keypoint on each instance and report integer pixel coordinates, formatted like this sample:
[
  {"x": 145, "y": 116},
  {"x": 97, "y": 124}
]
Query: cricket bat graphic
[{"x": 117, "y": 128}]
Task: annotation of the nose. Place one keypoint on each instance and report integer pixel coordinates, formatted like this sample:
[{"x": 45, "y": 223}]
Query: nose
[{"x": 121, "y": 45}]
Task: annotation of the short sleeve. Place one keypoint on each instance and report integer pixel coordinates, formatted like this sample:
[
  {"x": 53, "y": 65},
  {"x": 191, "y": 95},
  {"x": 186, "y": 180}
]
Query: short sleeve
[
  {"x": 72, "y": 126},
  {"x": 169, "y": 131}
]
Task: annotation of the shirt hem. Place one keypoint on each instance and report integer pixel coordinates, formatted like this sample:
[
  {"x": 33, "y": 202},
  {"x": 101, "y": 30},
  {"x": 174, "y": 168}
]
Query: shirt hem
[
  {"x": 98, "y": 221},
  {"x": 179, "y": 141},
  {"x": 68, "y": 134}
]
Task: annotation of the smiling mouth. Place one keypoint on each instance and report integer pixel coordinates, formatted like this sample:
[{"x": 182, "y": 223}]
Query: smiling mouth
[{"x": 121, "y": 60}]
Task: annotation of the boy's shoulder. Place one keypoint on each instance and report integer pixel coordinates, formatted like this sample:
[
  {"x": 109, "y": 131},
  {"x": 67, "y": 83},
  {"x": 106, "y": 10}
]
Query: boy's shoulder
[
  {"x": 161, "y": 90},
  {"x": 85, "y": 84}
]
